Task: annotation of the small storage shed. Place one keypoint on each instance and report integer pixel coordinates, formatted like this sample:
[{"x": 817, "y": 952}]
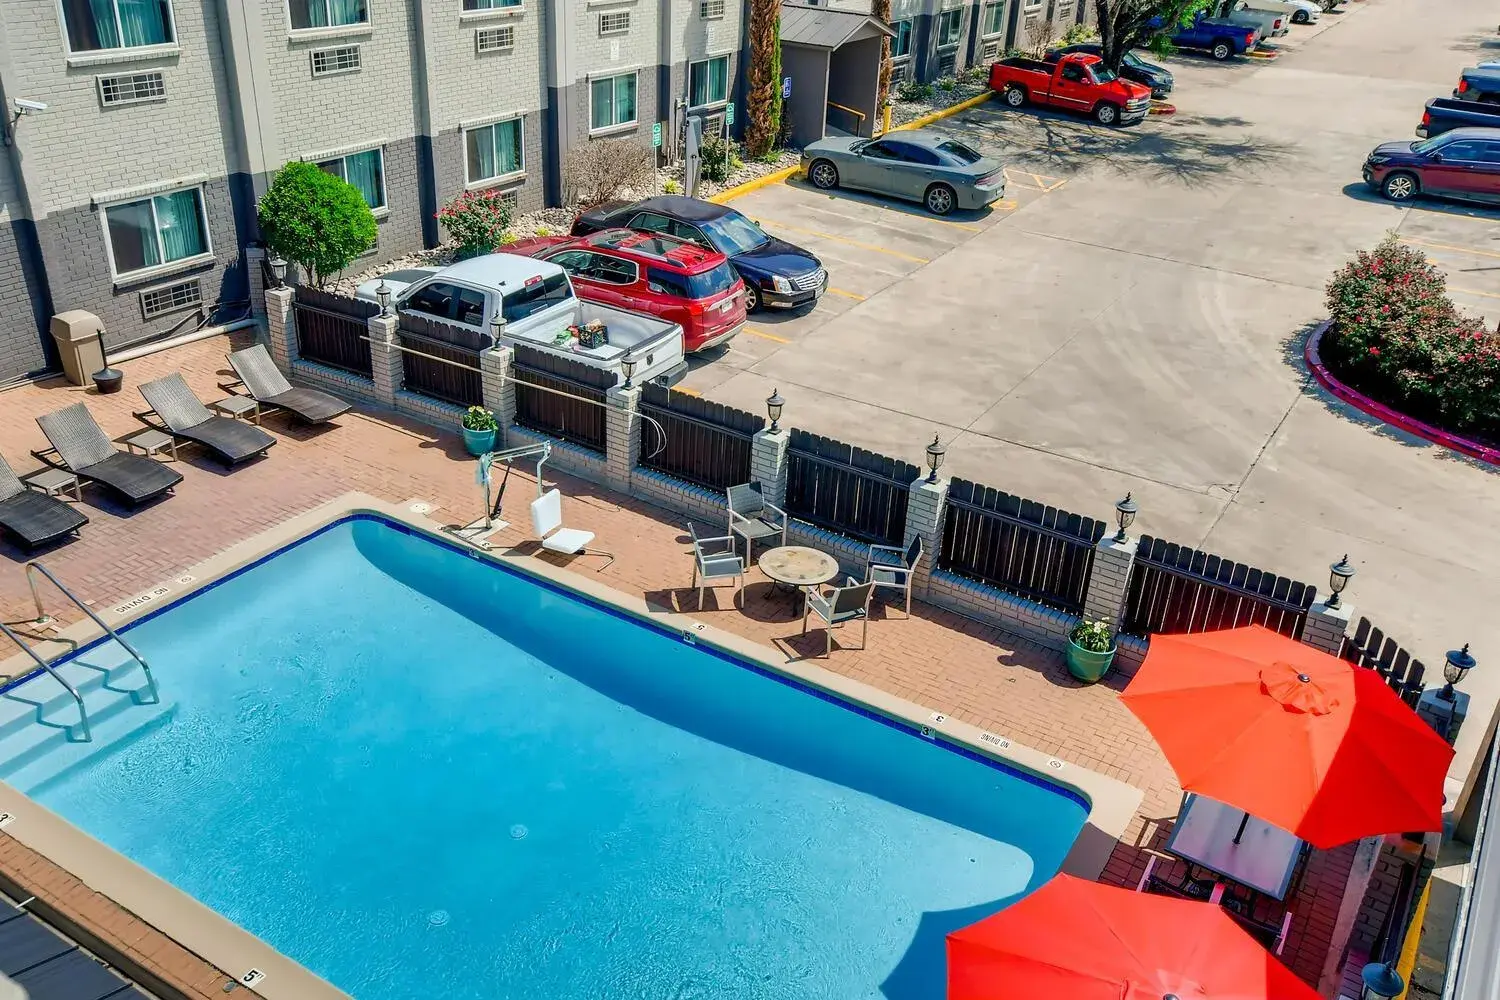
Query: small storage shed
[{"x": 832, "y": 60}]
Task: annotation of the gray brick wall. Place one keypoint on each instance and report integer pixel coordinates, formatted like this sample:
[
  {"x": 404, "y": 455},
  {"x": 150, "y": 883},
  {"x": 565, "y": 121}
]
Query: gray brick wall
[
  {"x": 401, "y": 230},
  {"x": 471, "y": 85},
  {"x": 577, "y": 98},
  {"x": 448, "y": 155}
]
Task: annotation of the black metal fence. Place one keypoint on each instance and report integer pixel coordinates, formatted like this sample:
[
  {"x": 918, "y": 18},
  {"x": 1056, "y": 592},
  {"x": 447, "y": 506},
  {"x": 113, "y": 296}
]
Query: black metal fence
[
  {"x": 845, "y": 489},
  {"x": 1370, "y": 647},
  {"x": 705, "y": 443},
  {"x": 331, "y": 329},
  {"x": 557, "y": 412},
  {"x": 1040, "y": 553},
  {"x": 441, "y": 360},
  {"x": 1176, "y": 589}
]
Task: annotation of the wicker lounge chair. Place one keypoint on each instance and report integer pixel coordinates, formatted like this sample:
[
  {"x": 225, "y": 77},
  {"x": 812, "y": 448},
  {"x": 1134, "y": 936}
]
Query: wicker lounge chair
[
  {"x": 184, "y": 416},
  {"x": 34, "y": 518},
  {"x": 88, "y": 453},
  {"x": 268, "y": 387}
]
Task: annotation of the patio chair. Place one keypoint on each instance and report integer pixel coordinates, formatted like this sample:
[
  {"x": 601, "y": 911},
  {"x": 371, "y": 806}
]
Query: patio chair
[
  {"x": 546, "y": 521},
  {"x": 888, "y": 566},
  {"x": 711, "y": 561},
  {"x": 752, "y": 516},
  {"x": 1271, "y": 932},
  {"x": 1186, "y": 887},
  {"x": 32, "y": 516},
  {"x": 268, "y": 387},
  {"x": 88, "y": 453},
  {"x": 839, "y": 605},
  {"x": 184, "y": 415}
]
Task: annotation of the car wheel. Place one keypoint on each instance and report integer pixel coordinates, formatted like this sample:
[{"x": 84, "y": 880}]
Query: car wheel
[
  {"x": 1106, "y": 113},
  {"x": 1400, "y": 186},
  {"x": 1221, "y": 51},
  {"x": 1300, "y": 17},
  {"x": 1015, "y": 96},
  {"x": 752, "y": 297},
  {"x": 823, "y": 175},
  {"x": 940, "y": 199}
]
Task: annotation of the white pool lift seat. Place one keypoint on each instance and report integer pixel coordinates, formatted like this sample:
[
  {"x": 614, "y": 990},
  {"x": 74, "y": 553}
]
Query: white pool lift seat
[{"x": 546, "y": 521}]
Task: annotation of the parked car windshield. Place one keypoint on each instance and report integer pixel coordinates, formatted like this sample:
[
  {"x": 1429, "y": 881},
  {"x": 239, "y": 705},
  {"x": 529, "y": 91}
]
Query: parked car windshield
[
  {"x": 1131, "y": 59},
  {"x": 535, "y": 296},
  {"x": 954, "y": 151},
  {"x": 732, "y": 233},
  {"x": 1103, "y": 74}
]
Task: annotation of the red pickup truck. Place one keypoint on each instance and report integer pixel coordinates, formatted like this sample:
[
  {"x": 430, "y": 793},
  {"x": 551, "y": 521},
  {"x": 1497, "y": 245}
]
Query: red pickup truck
[{"x": 1076, "y": 82}]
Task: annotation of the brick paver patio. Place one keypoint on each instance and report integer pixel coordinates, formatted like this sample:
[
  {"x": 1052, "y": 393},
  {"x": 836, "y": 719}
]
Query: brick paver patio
[{"x": 968, "y": 670}]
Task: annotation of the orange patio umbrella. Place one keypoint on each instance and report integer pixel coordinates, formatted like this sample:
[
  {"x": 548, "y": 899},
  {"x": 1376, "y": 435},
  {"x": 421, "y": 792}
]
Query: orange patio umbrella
[
  {"x": 1303, "y": 740},
  {"x": 1082, "y": 940}
]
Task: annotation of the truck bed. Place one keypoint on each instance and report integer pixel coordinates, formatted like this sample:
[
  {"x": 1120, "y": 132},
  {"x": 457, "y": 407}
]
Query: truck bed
[
  {"x": 1444, "y": 114},
  {"x": 639, "y": 336}
]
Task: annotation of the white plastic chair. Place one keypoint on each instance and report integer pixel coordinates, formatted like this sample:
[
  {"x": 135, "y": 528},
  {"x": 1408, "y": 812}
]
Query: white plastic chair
[{"x": 546, "y": 521}]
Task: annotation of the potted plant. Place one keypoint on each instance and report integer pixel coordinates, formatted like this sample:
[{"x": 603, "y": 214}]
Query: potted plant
[
  {"x": 1091, "y": 650},
  {"x": 479, "y": 430}
]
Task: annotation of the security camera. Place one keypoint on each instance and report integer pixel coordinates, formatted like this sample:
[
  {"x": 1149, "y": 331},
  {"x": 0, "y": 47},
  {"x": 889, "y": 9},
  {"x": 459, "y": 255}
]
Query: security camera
[{"x": 26, "y": 107}]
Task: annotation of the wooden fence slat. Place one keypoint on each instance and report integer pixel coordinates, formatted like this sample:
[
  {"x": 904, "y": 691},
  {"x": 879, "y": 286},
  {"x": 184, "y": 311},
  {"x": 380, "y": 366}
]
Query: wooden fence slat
[{"x": 1174, "y": 589}]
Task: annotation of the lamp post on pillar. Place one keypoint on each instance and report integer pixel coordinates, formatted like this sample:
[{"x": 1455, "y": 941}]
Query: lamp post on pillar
[{"x": 1328, "y": 621}]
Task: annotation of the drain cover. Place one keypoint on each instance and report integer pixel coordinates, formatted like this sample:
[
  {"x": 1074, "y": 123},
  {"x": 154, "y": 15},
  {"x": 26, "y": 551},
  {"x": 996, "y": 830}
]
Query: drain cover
[
  {"x": 420, "y": 508},
  {"x": 437, "y": 918}
]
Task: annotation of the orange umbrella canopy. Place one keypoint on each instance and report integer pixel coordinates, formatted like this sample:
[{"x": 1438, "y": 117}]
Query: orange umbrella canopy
[
  {"x": 1303, "y": 740},
  {"x": 1083, "y": 940}
]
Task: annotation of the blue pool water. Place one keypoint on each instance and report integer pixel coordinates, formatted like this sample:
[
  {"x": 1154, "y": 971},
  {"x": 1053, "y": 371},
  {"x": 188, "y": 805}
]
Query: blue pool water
[{"x": 423, "y": 776}]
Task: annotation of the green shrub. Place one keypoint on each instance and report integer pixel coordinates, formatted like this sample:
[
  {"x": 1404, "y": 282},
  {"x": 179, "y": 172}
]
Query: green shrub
[
  {"x": 1096, "y": 637},
  {"x": 1079, "y": 33},
  {"x": 670, "y": 186},
  {"x": 913, "y": 90},
  {"x": 947, "y": 85},
  {"x": 476, "y": 221},
  {"x": 315, "y": 220},
  {"x": 477, "y": 418},
  {"x": 720, "y": 158},
  {"x": 1398, "y": 338}
]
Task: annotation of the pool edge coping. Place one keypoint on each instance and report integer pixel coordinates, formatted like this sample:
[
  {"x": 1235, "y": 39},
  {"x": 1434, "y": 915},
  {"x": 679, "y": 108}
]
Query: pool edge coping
[{"x": 1112, "y": 804}]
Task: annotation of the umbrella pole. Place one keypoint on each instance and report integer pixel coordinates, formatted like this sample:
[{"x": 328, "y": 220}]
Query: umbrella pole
[{"x": 1241, "y": 831}]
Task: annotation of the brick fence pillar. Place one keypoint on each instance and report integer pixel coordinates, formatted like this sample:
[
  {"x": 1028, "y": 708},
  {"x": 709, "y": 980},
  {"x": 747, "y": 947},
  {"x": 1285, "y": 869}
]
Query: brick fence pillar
[
  {"x": 1447, "y": 717},
  {"x": 385, "y": 358},
  {"x": 281, "y": 328},
  {"x": 1109, "y": 581},
  {"x": 622, "y": 435},
  {"x": 499, "y": 390},
  {"x": 926, "y": 508},
  {"x": 255, "y": 275},
  {"x": 768, "y": 463},
  {"x": 1326, "y": 626}
]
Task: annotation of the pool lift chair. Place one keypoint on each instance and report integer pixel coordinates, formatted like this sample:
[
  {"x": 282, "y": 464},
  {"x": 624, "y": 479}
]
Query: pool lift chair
[{"x": 478, "y": 532}]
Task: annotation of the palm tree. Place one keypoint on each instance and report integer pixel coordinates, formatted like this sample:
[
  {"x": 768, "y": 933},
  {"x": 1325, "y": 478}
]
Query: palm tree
[
  {"x": 882, "y": 10},
  {"x": 762, "y": 87}
]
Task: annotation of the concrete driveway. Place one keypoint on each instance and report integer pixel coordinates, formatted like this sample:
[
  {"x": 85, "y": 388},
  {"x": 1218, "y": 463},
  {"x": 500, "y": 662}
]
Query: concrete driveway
[{"x": 1132, "y": 319}]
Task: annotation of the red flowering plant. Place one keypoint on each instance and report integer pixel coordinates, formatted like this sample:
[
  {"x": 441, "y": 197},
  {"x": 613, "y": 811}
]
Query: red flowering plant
[
  {"x": 1397, "y": 337},
  {"x": 477, "y": 221}
]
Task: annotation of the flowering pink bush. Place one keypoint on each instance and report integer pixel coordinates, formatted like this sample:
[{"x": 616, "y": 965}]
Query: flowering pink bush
[
  {"x": 476, "y": 221},
  {"x": 1397, "y": 337}
]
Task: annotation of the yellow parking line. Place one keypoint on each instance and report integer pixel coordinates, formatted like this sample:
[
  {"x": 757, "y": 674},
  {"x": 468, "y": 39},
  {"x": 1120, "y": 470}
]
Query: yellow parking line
[
  {"x": 687, "y": 392},
  {"x": 752, "y": 331},
  {"x": 847, "y": 295},
  {"x": 841, "y": 239},
  {"x": 1005, "y": 205},
  {"x": 1454, "y": 288},
  {"x": 897, "y": 211},
  {"x": 1417, "y": 241},
  {"x": 1040, "y": 180}
]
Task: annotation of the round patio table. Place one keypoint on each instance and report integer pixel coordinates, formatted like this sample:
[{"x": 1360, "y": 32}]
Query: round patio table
[{"x": 798, "y": 567}]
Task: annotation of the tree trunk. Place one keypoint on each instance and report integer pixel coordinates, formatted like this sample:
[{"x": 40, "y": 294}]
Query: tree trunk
[
  {"x": 881, "y": 9},
  {"x": 760, "y": 131}
]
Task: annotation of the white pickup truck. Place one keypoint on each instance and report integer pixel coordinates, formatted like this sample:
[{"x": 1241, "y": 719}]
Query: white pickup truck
[{"x": 536, "y": 302}]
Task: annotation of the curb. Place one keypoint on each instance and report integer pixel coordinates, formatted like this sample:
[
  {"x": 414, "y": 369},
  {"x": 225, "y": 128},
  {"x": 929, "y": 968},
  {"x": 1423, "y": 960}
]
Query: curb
[
  {"x": 949, "y": 111},
  {"x": 1163, "y": 108},
  {"x": 1381, "y": 412}
]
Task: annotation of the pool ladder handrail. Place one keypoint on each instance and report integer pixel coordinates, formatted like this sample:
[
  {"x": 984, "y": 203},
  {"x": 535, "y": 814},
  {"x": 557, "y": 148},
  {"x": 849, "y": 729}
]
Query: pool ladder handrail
[
  {"x": 83, "y": 715},
  {"x": 42, "y": 616}
]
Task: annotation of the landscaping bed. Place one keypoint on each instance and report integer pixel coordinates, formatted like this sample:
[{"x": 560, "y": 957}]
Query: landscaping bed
[{"x": 911, "y": 100}]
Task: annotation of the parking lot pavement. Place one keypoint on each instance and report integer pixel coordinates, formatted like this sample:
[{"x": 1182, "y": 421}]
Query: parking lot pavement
[{"x": 1465, "y": 243}]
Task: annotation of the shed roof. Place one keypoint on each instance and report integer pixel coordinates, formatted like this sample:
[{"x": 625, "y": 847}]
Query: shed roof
[{"x": 824, "y": 28}]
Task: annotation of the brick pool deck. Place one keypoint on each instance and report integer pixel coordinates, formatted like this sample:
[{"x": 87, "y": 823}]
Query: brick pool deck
[{"x": 968, "y": 670}]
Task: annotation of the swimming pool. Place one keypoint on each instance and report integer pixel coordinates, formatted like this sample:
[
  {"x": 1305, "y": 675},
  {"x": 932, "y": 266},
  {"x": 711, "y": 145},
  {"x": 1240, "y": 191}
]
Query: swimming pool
[{"x": 421, "y": 774}]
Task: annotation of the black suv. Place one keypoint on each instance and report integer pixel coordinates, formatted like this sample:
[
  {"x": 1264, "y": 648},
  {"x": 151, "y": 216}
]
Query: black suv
[{"x": 776, "y": 273}]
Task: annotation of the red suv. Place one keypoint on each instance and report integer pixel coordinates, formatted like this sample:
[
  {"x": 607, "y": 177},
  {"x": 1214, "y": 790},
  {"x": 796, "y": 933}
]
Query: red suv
[{"x": 650, "y": 273}]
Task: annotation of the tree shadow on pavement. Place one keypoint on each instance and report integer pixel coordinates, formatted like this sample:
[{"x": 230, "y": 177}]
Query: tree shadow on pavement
[{"x": 1197, "y": 151}]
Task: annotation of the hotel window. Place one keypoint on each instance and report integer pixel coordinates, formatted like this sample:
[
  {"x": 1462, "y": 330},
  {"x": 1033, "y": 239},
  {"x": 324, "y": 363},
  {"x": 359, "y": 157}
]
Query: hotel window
[
  {"x": 901, "y": 44},
  {"x": 117, "y": 24},
  {"x": 950, "y": 25},
  {"x": 328, "y": 13},
  {"x": 612, "y": 101},
  {"x": 155, "y": 231},
  {"x": 494, "y": 151},
  {"x": 708, "y": 82},
  {"x": 490, "y": 4},
  {"x": 366, "y": 171},
  {"x": 994, "y": 19}
]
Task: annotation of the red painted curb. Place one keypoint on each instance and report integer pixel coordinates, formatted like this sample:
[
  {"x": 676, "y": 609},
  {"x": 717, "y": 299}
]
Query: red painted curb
[
  {"x": 1163, "y": 108},
  {"x": 1380, "y": 411}
]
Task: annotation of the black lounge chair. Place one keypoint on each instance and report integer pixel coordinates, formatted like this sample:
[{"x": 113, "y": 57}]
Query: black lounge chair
[
  {"x": 184, "y": 416},
  {"x": 88, "y": 453},
  {"x": 33, "y": 517},
  {"x": 268, "y": 387}
]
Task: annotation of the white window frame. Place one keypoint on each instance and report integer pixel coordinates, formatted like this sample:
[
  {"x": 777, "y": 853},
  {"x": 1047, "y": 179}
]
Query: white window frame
[
  {"x": 167, "y": 267},
  {"x": 938, "y": 27},
  {"x": 480, "y": 183},
  {"x": 703, "y": 4},
  {"x": 631, "y": 125},
  {"x": 120, "y": 53},
  {"x": 331, "y": 30},
  {"x": 1001, "y": 5},
  {"x": 1033, "y": 6},
  {"x": 728, "y": 83},
  {"x": 490, "y": 13},
  {"x": 910, "y": 35},
  {"x": 385, "y": 188},
  {"x": 606, "y": 32}
]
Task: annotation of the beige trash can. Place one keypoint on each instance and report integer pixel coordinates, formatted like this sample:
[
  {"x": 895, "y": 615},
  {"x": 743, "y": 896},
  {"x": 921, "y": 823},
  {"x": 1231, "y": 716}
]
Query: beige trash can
[{"x": 77, "y": 334}]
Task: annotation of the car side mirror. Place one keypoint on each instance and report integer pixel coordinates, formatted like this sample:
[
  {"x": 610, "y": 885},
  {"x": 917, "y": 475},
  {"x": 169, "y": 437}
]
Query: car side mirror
[{"x": 1435, "y": 157}]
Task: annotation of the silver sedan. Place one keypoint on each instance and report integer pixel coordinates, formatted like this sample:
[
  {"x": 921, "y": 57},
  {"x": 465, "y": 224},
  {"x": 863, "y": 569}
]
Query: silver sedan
[{"x": 917, "y": 165}]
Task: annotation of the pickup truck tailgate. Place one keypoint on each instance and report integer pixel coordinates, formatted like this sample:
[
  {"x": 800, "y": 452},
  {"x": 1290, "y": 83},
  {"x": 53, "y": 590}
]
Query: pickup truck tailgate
[{"x": 655, "y": 344}]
